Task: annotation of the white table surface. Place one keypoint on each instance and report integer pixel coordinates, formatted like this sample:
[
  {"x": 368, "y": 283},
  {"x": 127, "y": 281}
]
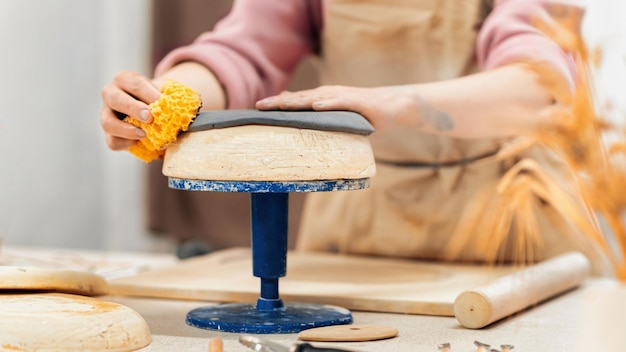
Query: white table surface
[{"x": 569, "y": 322}]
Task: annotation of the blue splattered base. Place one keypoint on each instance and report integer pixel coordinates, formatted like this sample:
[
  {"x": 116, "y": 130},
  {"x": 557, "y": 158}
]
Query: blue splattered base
[
  {"x": 268, "y": 186},
  {"x": 246, "y": 318}
]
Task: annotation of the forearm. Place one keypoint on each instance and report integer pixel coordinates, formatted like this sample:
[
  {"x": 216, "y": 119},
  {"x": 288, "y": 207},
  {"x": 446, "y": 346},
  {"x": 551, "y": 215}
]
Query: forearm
[
  {"x": 199, "y": 78},
  {"x": 497, "y": 103}
]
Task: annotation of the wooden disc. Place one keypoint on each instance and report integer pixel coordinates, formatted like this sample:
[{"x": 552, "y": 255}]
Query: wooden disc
[
  {"x": 51, "y": 280},
  {"x": 269, "y": 153},
  {"x": 62, "y": 322},
  {"x": 348, "y": 333}
]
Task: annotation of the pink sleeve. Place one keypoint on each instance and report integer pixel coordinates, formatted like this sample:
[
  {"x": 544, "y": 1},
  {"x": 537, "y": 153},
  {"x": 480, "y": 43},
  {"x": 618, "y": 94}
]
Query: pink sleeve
[
  {"x": 253, "y": 50},
  {"x": 508, "y": 36}
]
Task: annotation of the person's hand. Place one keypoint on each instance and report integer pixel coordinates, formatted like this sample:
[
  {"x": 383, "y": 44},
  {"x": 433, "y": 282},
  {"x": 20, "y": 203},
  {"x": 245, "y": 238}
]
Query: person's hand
[
  {"x": 127, "y": 95},
  {"x": 384, "y": 107}
]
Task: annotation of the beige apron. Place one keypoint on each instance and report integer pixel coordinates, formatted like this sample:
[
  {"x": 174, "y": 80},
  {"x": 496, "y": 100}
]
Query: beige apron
[{"x": 413, "y": 211}]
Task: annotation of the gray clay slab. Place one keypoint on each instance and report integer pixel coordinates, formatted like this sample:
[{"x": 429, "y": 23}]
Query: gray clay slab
[{"x": 338, "y": 121}]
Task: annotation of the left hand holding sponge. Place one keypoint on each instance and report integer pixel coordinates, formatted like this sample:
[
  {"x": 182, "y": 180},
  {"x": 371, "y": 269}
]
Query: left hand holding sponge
[{"x": 173, "y": 112}]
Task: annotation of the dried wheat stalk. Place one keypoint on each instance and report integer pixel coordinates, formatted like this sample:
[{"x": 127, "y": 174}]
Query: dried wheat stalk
[{"x": 574, "y": 129}]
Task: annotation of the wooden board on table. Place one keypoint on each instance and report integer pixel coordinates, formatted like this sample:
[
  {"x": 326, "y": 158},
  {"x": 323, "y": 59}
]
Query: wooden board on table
[
  {"x": 602, "y": 310},
  {"x": 353, "y": 282},
  {"x": 25, "y": 278}
]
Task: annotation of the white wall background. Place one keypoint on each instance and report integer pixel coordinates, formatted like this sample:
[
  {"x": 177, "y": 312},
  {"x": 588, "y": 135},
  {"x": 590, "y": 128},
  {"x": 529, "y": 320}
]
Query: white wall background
[
  {"x": 604, "y": 27},
  {"x": 59, "y": 184}
]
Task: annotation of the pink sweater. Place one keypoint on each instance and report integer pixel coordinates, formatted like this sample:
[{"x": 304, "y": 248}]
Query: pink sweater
[{"x": 254, "y": 49}]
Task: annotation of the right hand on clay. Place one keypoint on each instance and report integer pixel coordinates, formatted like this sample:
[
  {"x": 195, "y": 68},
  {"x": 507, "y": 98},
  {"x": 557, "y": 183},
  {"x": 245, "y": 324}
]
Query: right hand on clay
[{"x": 127, "y": 95}]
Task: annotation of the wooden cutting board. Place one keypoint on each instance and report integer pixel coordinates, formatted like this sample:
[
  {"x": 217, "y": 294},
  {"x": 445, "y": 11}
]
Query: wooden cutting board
[
  {"x": 64, "y": 322},
  {"x": 25, "y": 278},
  {"x": 602, "y": 313},
  {"x": 353, "y": 282}
]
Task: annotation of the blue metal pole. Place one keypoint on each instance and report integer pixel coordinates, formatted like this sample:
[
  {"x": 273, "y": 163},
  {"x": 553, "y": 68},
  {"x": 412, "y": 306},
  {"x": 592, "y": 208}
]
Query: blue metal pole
[{"x": 269, "y": 244}]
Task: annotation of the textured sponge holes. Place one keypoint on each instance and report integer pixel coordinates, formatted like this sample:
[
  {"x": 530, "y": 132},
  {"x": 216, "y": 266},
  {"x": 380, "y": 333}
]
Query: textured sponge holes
[{"x": 173, "y": 112}]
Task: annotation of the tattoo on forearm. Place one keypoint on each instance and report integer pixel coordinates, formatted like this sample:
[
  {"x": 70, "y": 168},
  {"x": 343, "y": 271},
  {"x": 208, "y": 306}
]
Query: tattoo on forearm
[
  {"x": 421, "y": 113},
  {"x": 440, "y": 120}
]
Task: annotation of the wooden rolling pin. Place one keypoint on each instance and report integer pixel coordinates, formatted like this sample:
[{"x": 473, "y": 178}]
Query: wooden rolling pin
[{"x": 483, "y": 305}]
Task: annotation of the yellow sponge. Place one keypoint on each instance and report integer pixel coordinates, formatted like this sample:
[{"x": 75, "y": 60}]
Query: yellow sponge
[{"x": 173, "y": 112}]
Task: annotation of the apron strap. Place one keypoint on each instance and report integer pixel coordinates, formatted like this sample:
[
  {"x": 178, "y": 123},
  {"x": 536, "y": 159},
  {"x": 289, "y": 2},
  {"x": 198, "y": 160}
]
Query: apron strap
[{"x": 454, "y": 163}]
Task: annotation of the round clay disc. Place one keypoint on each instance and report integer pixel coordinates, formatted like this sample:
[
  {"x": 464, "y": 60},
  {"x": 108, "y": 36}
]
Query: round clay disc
[
  {"x": 348, "y": 333},
  {"x": 51, "y": 280},
  {"x": 62, "y": 322}
]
